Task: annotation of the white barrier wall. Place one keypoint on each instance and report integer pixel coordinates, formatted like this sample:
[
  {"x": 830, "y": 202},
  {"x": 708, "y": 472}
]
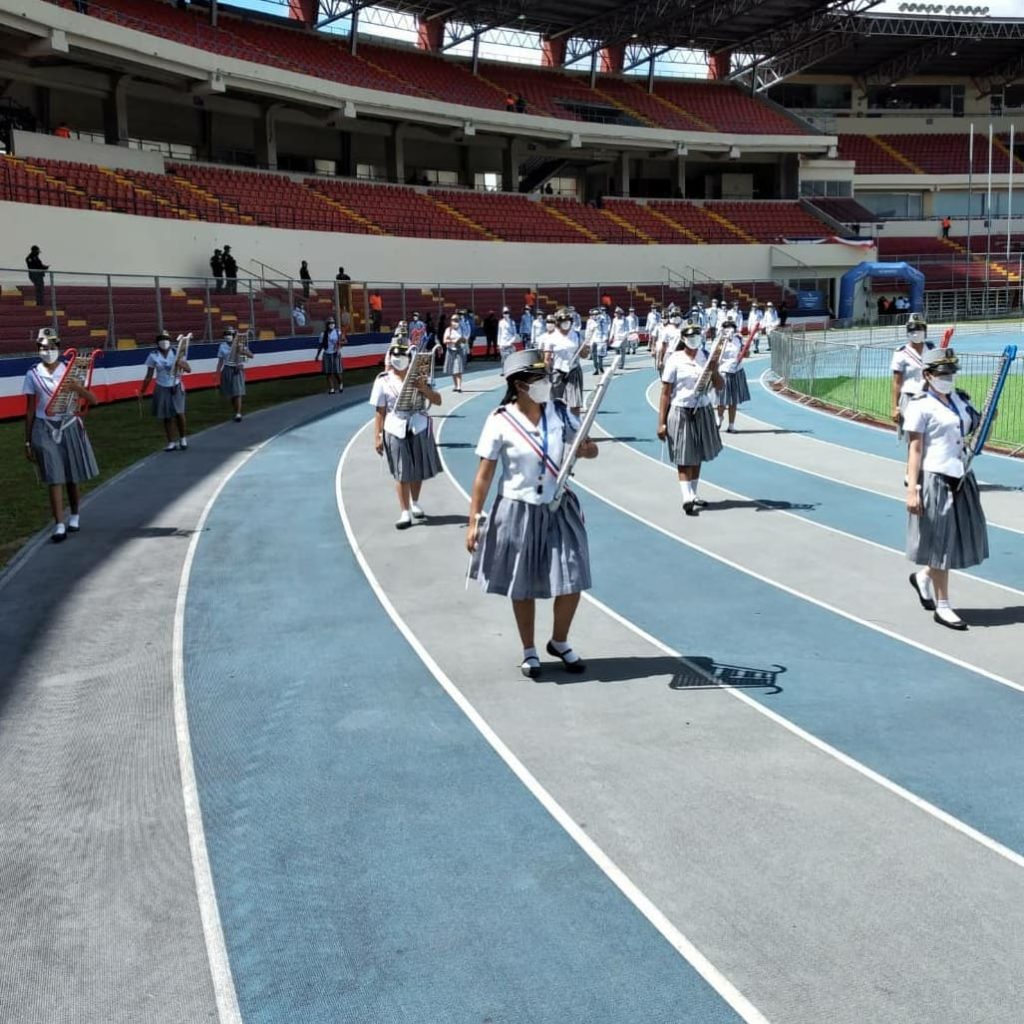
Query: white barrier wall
[
  {"x": 51, "y": 147},
  {"x": 89, "y": 241}
]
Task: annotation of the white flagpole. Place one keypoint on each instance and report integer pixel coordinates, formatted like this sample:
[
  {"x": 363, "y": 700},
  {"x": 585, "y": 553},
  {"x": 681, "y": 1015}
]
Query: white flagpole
[
  {"x": 1009, "y": 200},
  {"x": 988, "y": 220}
]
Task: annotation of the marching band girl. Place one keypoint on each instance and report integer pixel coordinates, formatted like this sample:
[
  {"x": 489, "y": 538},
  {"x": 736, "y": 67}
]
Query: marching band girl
[
  {"x": 669, "y": 338},
  {"x": 169, "y": 392},
  {"x": 64, "y": 459},
  {"x": 632, "y": 331},
  {"x": 231, "y": 367},
  {"x": 946, "y": 525},
  {"x": 541, "y": 326},
  {"x": 769, "y": 321},
  {"x": 735, "y": 390},
  {"x": 908, "y": 367},
  {"x": 406, "y": 439},
  {"x": 455, "y": 351},
  {"x": 617, "y": 336},
  {"x": 562, "y": 355},
  {"x": 596, "y": 338},
  {"x": 331, "y": 342},
  {"x": 526, "y": 326},
  {"x": 525, "y": 550},
  {"x": 685, "y": 416},
  {"x": 508, "y": 336}
]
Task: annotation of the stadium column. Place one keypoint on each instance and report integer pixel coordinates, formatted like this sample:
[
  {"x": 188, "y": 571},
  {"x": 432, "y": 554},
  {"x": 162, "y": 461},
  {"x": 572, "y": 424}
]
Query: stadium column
[
  {"x": 265, "y": 141},
  {"x": 622, "y": 174},
  {"x": 115, "y": 111},
  {"x": 395, "y": 148},
  {"x": 613, "y": 59},
  {"x": 552, "y": 53},
  {"x": 303, "y": 10},
  {"x": 719, "y": 65},
  {"x": 510, "y": 165},
  {"x": 430, "y": 33}
]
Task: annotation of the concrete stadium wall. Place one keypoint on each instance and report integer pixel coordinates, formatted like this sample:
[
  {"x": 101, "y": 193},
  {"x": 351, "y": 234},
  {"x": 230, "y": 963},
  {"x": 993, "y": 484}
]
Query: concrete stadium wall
[
  {"x": 50, "y": 147},
  {"x": 89, "y": 241}
]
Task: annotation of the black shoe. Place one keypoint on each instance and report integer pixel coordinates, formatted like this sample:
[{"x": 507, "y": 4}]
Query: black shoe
[
  {"x": 926, "y": 602},
  {"x": 959, "y": 625},
  {"x": 528, "y": 670},
  {"x": 700, "y": 503},
  {"x": 576, "y": 666},
  {"x": 690, "y": 508}
]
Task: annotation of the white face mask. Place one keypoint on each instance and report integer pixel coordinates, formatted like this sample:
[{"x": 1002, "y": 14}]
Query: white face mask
[
  {"x": 550, "y": 328},
  {"x": 565, "y": 324},
  {"x": 540, "y": 391},
  {"x": 163, "y": 345},
  {"x": 943, "y": 385},
  {"x": 48, "y": 355},
  {"x": 400, "y": 363},
  {"x": 691, "y": 342}
]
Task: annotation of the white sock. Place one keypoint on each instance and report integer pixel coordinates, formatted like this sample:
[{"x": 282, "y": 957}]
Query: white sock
[
  {"x": 565, "y": 649},
  {"x": 689, "y": 490},
  {"x": 942, "y": 605},
  {"x": 73, "y": 519},
  {"x": 946, "y": 613},
  {"x": 924, "y": 583},
  {"x": 530, "y": 652},
  {"x": 59, "y": 529}
]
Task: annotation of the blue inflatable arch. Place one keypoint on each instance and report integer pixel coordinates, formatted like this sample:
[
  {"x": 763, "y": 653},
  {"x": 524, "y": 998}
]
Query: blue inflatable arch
[{"x": 890, "y": 271}]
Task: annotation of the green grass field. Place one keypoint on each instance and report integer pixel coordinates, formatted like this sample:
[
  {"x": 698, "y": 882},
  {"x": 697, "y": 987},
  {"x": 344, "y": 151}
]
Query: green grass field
[
  {"x": 120, "y": 437},
  {"x": 872, "y": 396}
]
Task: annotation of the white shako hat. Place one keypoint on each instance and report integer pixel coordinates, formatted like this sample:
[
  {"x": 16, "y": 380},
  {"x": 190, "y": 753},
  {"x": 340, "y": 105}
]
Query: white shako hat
[{"x": 530, "y": 359}]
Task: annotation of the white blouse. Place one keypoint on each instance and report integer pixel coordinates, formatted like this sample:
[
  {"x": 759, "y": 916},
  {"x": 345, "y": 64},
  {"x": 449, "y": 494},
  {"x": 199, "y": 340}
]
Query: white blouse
[
  {"x": 682, "y": 373},
  {"x": 163, "y": 364},
  {"x": 729, "y": 361},
  {"x": 384, "y": 395},
  {"x": 453, "y": 336},
  {"x": 943, "y": 429},
  {"x": 562, "y": 348},
  {"x": 42, "y": 384},
  {"x": 910, "y": 365},
  {"x": 509, "y": 437}
]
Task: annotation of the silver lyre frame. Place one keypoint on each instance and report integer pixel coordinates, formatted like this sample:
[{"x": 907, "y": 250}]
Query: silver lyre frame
[
  {"x": 240, "y": 350},
  {"x": 421, "y": 369},
  {"x": 65, "y": 404},
  {"x": 181, "y": 354},
  {"x": 703, "y": 385}
]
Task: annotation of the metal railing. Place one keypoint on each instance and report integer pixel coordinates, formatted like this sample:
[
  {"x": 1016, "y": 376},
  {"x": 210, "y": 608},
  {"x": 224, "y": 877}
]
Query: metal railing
[{"x": 849, "y": 371}]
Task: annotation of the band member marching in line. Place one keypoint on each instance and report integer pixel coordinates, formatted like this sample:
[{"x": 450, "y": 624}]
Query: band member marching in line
[
  {"x": 769, "y": 321},
  {"x": 617, "y": 337},
  {"x": 596, "y": 337},
  {"x": 562, "y": 355},
  {"x": 508, "y": 335},
  {"x": 685, "y": 415},
  {"x": 669, "y": 338},
  {"x": 632, "y": 331},
  {"x": 455, "y": 351},
  {"x": 63, "y": 457},
  {"x": 524, "y": 549},
  {"x": 231, "y": 356},
  {"x": 331, "y": 342},
  {"x": 169, "y": 392},
  {"x": 735, "y": 390},
  {"x": 908, "y": 367},
  {"x": 946, "y": 525},
  {"x": 405, "y": 436}
]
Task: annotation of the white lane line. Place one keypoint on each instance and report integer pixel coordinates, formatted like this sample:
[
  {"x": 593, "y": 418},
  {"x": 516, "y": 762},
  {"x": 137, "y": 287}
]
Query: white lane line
[
  {"x": 837, "y": 419},
  {"x": 862, "y": 769},
  {"x": 725, "y": 988},
  {"x": 213, "y": 931},
  {"x": 806, "y": 520}
]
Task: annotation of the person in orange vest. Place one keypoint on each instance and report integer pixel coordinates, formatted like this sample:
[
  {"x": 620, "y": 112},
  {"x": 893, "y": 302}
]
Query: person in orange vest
[
  {"x": 62, "y": 131},
  {"x": 530, "y": 298},
  {"x": 510, "y": 103},
  {"x": 376, "y": 310},
  {"x": 946, "y": 225}
]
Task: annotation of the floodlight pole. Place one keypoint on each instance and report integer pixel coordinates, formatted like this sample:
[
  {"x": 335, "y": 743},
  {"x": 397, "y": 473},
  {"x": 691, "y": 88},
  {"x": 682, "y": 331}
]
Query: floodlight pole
[
  {"x": 988, "y": 221},
  {"x": 1009, "y": 199},
  {"x": 970, "y": 192}
]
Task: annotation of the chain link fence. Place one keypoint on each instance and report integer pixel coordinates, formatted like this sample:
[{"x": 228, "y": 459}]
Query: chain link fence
[{"x": 849, "y": 371}]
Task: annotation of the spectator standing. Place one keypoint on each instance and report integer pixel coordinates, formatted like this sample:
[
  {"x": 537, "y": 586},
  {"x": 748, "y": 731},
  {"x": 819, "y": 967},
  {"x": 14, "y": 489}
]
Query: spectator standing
[
  {"x": 510, "y": 103},
  {"x": 305, "y": 277},
  {"x": 376, "y": 310},
  {"x": 520, "y": 104},
  {"x": 343, "y": 288},
  {"x": 783, "y": 315},
  {"x": 530, "y": 298},
  {"x": 299, "y": 313},
  {"x": 36, "y": 274},
  {"x": 217, "y": 269},
  {"x": 946, "y": 225},
  {"x": 62, "y": 131},
  {"x": 491, "y": 334},
  {"x": 230, "y": 272}
]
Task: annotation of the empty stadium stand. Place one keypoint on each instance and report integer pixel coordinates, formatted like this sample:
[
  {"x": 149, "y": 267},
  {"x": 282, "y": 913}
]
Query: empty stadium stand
[
  {"x": 708, "y": 106},
  {"x": 846, "y": 211},
  {"x": 925, "y": 153}
]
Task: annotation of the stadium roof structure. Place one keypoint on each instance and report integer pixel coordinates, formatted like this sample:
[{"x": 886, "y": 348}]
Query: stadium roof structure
[{"x": 770, "y": 40}]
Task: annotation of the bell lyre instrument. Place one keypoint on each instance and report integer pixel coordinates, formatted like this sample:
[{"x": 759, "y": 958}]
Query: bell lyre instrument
[
  {"x": 569, "y": 459},
  {"x": 706, "y": 378},
  {"x": 66, "y": 405},
  {"x": 745, "y": 351},
  {"x": 181, "y": 354},
  {"x": 421, "y": 371},
  {"x": 240, "y": 350},
  {"x": 975, "y": 441}
]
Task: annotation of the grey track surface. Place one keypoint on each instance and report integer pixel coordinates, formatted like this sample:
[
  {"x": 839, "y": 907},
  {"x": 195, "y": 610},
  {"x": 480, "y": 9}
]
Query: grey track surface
[
  {"x": 99, "y": 920},
  {"x": 821, "y": 895},
  {"x": 839, "y": 570}
]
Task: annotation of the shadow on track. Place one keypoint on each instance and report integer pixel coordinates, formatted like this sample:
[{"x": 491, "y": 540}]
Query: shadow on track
[
  {"x": 1011, "y": 616},
  {"x": 692, "y": 673}
]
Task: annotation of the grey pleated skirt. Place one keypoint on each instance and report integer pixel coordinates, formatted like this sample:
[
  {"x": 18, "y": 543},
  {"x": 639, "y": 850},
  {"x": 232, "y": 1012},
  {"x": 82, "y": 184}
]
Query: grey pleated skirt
[
  {"x": 950, "y": 533},
  {"x": 232, "y": 381},
  {"x": 692, "y": 435},
  {"x": 736, "y": 390},
  {"x": 69, "y": 462},
  {"x": 454, "y": 359},
  {"x": 168, "y": 402},
  {"x": 412, "y": 458},
  {"x": 568, "y": 386},
  {"x": 529, "y": 552},
  {"x": 332, "y": 363}
]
